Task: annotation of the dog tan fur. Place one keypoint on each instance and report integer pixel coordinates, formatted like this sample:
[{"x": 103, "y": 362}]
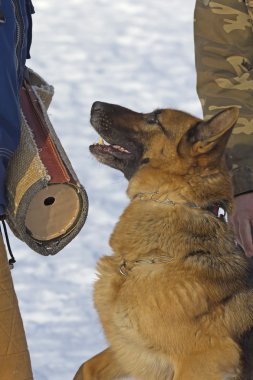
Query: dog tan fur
[{"x": 173, "y": 298}]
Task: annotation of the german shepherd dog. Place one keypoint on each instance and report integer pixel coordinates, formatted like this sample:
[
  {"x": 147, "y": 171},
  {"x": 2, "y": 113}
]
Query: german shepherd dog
[{"x": 174, "y": 297}]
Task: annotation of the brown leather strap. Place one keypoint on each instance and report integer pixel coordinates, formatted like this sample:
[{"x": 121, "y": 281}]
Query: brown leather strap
[{"x": 49, "y": 155}]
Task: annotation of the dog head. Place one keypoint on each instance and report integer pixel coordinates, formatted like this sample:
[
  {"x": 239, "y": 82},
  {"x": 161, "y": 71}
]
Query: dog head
[{"x": 155, "y": 148}]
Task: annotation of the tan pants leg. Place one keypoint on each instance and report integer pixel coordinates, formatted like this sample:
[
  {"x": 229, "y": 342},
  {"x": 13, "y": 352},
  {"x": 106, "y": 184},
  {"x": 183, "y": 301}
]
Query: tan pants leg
[{"x": 14, "y": 356}]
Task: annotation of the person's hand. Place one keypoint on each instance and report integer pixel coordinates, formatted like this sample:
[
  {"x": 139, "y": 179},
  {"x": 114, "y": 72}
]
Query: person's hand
[{"x": 242, "y": 222}]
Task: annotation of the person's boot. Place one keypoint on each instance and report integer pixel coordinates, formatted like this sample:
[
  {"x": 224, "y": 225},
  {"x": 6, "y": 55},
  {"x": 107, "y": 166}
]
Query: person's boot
[{"x": 14, "y": 356}]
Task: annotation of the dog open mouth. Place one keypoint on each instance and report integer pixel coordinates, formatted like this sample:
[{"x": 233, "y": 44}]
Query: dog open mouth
[
  {"x": 116, "y": 156},
  {"x": 119, "y": 146},
  {"x": 114, "y": 150}
]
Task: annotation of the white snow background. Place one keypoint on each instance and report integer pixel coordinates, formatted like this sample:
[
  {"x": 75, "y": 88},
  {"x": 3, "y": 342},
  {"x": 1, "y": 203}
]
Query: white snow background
[{"x": 138, "y": 54}]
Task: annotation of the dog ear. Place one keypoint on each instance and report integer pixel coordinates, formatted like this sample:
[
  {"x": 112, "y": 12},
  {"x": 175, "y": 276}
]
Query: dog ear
[{"x": 210, "y": 135}]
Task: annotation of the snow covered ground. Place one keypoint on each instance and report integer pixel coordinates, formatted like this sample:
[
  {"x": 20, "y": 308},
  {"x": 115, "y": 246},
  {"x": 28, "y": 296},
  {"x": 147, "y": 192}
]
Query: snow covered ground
[{"x": 135, "y": 53}]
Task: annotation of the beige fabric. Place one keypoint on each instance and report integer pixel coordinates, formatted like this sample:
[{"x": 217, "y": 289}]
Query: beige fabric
[
  {"x": 14, "y": 356},
  {"x": 24, "y": 170}
]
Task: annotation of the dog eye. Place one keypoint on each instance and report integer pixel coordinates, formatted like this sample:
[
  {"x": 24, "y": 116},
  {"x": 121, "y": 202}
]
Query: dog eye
[{"x": 152, "y": 120}]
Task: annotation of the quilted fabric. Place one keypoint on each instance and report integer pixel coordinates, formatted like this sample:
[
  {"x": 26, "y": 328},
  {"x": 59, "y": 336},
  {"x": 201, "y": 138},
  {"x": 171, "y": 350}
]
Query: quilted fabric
[{"x": 14, "y": 356}]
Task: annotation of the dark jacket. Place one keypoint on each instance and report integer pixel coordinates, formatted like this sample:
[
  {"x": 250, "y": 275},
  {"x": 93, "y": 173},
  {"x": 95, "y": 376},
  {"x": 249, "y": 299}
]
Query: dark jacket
[{"x": 15, "y": 37}]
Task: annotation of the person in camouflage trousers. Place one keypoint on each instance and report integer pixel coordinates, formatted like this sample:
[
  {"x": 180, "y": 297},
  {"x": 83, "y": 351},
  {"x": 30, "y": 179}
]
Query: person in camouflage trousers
[{"x": 224, "y": 62}]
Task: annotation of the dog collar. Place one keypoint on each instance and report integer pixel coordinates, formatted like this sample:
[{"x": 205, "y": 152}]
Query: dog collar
[
  {"x": 216, "y": 208},
  {"x": 127, "y": 265}
]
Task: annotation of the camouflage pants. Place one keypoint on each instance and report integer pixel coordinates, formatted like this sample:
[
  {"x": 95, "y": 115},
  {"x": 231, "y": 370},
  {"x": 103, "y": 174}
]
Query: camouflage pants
[{"x": 224, "y": 62}]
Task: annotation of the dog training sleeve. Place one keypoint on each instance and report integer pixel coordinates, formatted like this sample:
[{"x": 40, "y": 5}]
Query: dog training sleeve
[{"x": 224, "y": 62}]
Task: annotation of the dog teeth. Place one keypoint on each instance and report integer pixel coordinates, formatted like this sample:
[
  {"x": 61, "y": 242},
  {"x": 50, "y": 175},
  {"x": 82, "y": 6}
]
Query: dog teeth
[{"x": 120, "y": 148}]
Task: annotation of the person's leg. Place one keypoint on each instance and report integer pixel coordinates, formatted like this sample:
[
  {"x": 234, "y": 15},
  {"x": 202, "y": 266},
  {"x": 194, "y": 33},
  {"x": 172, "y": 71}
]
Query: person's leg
[{"x": 14, "y": 356}]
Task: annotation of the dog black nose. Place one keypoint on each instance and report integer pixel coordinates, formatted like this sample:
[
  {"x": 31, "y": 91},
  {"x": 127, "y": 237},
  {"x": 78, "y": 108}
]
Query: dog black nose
[{"x": 96, "y": 106}]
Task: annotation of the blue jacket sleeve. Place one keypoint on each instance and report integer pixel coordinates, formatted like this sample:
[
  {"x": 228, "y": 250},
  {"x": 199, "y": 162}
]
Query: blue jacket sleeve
[
  {"x": 13, "y": 45},
  {"x": 9, "y": 95}
]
